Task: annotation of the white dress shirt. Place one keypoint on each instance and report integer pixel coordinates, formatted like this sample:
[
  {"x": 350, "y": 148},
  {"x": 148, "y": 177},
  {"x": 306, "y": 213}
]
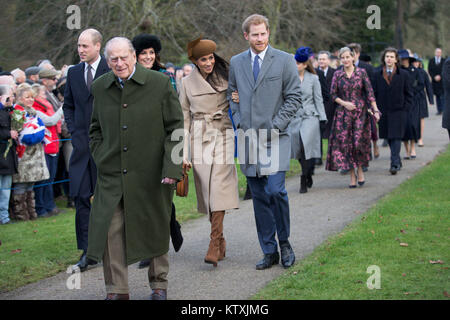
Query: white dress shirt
[
  {"x": 261, "y": 56},
  {"x": 94, "y": 67}
]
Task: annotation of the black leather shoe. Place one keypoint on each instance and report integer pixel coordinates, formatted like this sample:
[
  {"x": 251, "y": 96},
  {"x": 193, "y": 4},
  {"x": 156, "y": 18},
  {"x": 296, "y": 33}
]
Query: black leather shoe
[
  {"x": 158, "y": 294},
  {"x": 84, "y": 263},
  {"x": 287, "y": 255},
  {"x": 268, "y": 261},
  {"x": 394, "y": 169},
  {"x": 144, "y": 263}
]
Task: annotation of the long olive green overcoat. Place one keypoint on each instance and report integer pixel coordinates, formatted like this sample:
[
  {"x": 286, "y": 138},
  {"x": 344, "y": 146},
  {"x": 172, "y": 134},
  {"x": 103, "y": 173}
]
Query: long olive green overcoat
[{"x": 130, "y": 141}]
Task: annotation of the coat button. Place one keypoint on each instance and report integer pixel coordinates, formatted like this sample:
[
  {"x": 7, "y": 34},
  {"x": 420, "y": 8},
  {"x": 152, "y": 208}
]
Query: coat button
[
  {"x": 125, "y": 105},
  {"x": 125, "y": 148},
  {"x": 125, "y": 171},
  {"x": 124, "y": 128}
]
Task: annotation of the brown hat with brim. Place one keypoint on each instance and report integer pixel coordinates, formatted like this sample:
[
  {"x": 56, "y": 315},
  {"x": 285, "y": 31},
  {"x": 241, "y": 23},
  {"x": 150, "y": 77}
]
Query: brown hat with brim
[{"x": 199, "y": 48}]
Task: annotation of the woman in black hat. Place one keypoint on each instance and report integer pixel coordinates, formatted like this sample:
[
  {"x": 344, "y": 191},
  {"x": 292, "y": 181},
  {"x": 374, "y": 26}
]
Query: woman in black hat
[
  {"x": 148, "y": 48},
  {"x": 412, "y": 133}
]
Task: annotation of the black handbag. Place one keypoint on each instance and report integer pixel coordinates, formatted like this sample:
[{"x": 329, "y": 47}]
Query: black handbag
[{"x": 175, "y": 231}]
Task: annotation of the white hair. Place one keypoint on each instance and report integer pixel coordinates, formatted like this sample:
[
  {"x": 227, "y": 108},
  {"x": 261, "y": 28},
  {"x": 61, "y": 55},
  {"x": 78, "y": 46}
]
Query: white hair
[{"x": 117, "y": 40}]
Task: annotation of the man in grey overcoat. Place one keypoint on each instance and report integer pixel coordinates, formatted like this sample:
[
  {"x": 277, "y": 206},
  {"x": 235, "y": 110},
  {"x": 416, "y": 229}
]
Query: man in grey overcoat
[{"x": 268, "y": 86}]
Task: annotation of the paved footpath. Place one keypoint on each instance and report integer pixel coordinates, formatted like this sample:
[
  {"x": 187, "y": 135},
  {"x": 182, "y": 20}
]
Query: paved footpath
[{"x": 324, "y": 211}]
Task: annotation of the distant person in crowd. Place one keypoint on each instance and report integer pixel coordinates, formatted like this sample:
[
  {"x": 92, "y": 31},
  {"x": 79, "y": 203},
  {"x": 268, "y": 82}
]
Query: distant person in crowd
[
  {"x": 422, "y": 91},
  {"x": 269, "y": 96},
  {"x": 30, "y": 151},
  {"x": 170, "y": 67},
  {"x": 203, "y": 97},
  {"x": 131, "y": 209},
  {"x": 435, "y": 70},
  {"x": 49, "y": 79},
  {"x": 349, "y": 146},
  {"x": 32, "y": 74},
  {"x": 412, "y": 131},
  {"x": 8, "y": 164},
  {"x": 19, "y": 76},
  {"x": 46, "y": 64},
  {"x": 45, "y": 202},
  {"x": 8, "y": 80},
  {"x": 305, "y": 127},
  {"x": 364, "y": 57},
  {"x": 187, "y": 69},
  {"x": 179, "y": 74},
  {"x": 65, "y": 148},
  {"x": 394, "y": 97},
  {"x": 446, "y": 85},
  {"x": 77, "y": 113},
  {"x": 148, "y": 48},
  {"x": 325, "y": 73}
]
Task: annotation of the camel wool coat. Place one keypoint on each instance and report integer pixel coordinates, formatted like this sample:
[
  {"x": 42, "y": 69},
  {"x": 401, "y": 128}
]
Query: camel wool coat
[
  {"x": 210, "y": 139},
  {"x": 131, "y": 143}
]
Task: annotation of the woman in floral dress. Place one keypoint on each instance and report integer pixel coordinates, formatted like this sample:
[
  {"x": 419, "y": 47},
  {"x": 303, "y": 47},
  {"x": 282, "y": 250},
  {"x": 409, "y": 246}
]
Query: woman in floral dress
[{"x": 350, "y": 140}]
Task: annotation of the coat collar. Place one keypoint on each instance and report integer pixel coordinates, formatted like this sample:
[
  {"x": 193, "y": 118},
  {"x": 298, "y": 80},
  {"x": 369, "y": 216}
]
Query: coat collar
[
  {"x": 200, "y": 86},
  {"x": 139, "y": 76}
]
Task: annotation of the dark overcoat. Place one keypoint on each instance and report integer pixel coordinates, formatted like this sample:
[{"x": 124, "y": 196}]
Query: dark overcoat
[
  {"x": 446, "y": 85},
  {"x": 8, "y": 165},
  {"x": 393, "y": 101},
  {"x": 132, "y": 146},
  {"x": 77, "y": 114},
  {"x": 434, "y": 70},
  {"x": 329, "y": 104}
]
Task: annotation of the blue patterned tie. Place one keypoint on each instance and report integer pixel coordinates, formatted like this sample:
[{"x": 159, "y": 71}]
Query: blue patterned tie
[{"x": 256, "y": 67}]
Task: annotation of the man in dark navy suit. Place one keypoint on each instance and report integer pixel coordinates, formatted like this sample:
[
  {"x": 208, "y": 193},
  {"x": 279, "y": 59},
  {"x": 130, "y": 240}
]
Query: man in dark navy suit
[
  {"x": 325, "y": 73},
  {"x": 77, "y": 112}
]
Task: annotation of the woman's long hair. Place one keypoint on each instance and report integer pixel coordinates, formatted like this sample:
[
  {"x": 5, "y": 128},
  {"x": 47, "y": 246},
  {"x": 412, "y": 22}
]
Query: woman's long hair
[
  {"x": 219, "y": 73},
  {"x": 157, "y": 65},
  {"x": 309, "y": 66}
]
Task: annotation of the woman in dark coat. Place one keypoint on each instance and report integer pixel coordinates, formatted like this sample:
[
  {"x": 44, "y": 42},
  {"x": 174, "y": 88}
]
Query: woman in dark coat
[
  {"x": 412, "y": 132},
  {"x": 8, "y": 164},
  {"x": 423, "y": 85},
  {"x": 446, "y": 85},
  {"x": 394, "y": 97}
]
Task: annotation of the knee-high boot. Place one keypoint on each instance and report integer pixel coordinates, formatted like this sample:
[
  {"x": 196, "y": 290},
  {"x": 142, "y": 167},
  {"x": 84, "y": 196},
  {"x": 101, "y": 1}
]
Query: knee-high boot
[
  {"x": 213, "y": 254},
  {"x": 31, "y": 205},
  {"x": 20, "y": 207}
]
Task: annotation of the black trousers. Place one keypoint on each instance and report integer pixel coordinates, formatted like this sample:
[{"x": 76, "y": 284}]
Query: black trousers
[
  {"x": 307, "y": 165},
  {"x": 395, "y": 146},
  {"x": 83, "y": 210}
]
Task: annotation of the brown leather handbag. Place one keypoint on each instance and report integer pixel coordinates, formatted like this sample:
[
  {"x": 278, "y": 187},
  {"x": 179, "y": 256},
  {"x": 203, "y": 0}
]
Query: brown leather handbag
[{"x": 183, "y": 185}]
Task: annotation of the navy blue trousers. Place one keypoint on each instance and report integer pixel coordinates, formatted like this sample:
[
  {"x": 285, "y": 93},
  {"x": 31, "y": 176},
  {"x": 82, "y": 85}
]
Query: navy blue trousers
[{"x": 271, "y": 208}]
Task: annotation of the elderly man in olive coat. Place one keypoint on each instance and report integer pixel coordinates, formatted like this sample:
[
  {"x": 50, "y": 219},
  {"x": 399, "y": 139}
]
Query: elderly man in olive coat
[{"x": 134, "y": 115}]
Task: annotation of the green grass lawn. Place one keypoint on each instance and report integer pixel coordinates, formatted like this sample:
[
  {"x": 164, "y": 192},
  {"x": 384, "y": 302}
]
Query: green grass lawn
[
  {"x": 406, "y": 235},
  {"x": 35, "y": 250}
]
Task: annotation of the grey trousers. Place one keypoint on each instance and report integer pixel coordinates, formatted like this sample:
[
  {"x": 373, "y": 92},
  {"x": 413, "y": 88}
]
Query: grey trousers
[{"x": 115, "y": 268}]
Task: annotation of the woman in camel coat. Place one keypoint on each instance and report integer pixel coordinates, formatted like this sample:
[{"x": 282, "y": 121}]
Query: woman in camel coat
[{"x": 209, "y": 142}]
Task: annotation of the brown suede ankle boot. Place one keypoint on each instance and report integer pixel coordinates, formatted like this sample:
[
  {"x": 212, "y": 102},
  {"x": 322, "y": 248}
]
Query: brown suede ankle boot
[{"x": 213, "y": 254}]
